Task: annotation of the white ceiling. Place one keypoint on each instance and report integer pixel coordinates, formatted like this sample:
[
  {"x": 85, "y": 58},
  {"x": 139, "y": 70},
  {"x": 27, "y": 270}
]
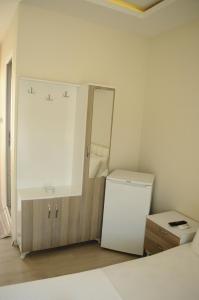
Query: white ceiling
[
  {"x": 7, "y": 10},
  {"x": 165, "y": 16}
]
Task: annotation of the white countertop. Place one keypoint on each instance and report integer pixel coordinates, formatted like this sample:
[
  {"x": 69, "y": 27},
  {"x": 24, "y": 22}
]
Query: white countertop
[{"x": 48, "y": 193}]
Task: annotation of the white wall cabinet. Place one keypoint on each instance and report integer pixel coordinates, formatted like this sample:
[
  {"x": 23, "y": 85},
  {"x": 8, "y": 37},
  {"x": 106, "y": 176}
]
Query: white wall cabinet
[{"x": 60, "y": 138}]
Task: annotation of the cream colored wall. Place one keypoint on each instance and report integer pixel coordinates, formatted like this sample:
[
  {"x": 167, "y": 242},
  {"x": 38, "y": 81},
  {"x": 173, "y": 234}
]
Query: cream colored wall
[
  {"x": 58, "y": 47},
  {"x": 170, "y": 143}
]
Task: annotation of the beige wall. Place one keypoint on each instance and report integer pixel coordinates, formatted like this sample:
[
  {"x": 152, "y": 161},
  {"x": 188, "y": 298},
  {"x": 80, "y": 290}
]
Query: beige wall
[
  {"x": 55, "y": 46},
  {"x": 170, "y": 136},
  {"x": 58, "y": 47}
]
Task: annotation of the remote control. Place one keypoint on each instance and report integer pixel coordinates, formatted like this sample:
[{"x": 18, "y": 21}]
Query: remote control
[{"x": 177, "y": 223}]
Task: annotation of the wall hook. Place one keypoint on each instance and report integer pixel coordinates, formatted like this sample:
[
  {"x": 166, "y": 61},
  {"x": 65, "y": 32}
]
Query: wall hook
[
  {"x": 65, "y": 95},
  {"x": 30, "y": 91},
  {"x": 49, "y": 98}
]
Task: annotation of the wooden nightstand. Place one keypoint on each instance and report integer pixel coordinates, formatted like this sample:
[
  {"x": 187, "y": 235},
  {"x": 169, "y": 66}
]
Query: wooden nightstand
[{"x": 160, "y": 236}]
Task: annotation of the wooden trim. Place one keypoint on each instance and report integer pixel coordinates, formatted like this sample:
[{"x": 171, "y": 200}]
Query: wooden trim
[
  {"x": 85, "y": 199},
  {"x": 133, "y": 7},
  {"x": 110, "y": 145},
  {"x": 88, "y": 136}
]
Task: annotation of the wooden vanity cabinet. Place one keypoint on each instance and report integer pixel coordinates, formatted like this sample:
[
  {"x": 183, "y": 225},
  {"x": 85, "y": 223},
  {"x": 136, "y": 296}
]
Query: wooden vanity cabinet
[{"x": 49, "y": 223}]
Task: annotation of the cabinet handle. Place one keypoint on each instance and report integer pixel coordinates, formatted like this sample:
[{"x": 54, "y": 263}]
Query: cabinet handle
[
  {"x": 56, "y": 212},
  {"x": 49, "y": 211}
]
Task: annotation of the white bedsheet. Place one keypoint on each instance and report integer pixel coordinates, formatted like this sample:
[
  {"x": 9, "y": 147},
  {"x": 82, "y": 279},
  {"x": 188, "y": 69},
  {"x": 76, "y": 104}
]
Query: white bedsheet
[
  {"x": 91, "y": 285},
  {"x": 170, "y": 275}
]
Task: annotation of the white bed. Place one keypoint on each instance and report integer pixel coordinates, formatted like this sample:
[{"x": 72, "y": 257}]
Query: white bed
[{"x": 170, "y": 275}]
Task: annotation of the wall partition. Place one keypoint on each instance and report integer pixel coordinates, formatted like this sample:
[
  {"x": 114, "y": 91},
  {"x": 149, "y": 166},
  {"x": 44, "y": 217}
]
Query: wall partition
[{"x": 51, "y": 134}]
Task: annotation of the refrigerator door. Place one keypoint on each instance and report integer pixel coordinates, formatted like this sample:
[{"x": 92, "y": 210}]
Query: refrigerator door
[{"x": 125, "y": 210}]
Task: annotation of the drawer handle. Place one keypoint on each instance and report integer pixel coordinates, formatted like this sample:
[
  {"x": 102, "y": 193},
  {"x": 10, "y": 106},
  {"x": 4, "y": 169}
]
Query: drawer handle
[
  {"x": 163, "y": 231},
  {"x": 56, "y": 212},
  {"x": 159, "y": 248},
  {"x": 49, "y": 211}
]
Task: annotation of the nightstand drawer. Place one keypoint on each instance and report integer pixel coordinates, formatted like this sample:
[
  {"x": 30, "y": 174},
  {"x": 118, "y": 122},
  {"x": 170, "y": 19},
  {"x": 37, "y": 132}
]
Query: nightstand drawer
[
  {"x": 161, "y": 234},
  {"x": 158, "y": 239},
  {"x": 151, "y": 246}
]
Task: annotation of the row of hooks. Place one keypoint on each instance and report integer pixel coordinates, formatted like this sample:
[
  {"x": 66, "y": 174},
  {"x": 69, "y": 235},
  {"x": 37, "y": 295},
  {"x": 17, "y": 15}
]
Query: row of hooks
[{"x": 49, "y": 97}]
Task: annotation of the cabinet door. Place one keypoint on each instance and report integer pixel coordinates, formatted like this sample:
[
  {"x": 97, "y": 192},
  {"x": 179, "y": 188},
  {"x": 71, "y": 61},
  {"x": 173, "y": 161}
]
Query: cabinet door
[
  {"x": 60, "y": 222},
  {"x": 74, "y": 233},
  {"x": 42, "y": 223},
  {"x": 25, "y": 226},
  {"x": 66, "y": 221}
]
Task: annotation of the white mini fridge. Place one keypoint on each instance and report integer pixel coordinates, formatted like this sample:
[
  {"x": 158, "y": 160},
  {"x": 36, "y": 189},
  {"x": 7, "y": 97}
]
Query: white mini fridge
[{"x": 127, "y": 203}]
